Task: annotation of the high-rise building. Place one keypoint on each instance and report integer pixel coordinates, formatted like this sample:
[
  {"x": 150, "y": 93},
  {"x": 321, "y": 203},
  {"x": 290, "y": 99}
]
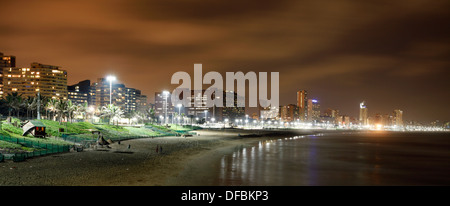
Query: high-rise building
[
  {"x": 141, "y": 102},
  {"x": 102, "y": 93},
  {"x": 232, "y": 112},
  {"x": 79, "y": 93},
  {"x": 163, "y": 105},
  {"x": 50, "y": 81},
  {"x": 130, "y": 100},
  {"x": 313, "y": 112},
  {"x": 398, "y": 118},
  {"x": 116, "y": 94},
  {"x": 92, "y": 94},
  {"x": 5, "y": 62},
  {"x": 363, "y": 114},
  {"x": 200, "y": 110},
  {"x": 302, "y": 103},
  {"x": 289, "y": 113},
  {"x": 270, "y": 113},
  {"x": 331, "y": 116}
]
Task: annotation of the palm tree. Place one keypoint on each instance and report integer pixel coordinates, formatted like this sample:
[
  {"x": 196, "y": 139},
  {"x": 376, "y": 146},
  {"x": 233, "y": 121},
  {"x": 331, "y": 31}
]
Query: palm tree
[
  {"x": 151, "y": 114},
  {"x": 30, "y": 104},
  {"x": 51, "y": 106},
  {"x": 42, "y": 102},
  {"x": 139, "y": 116},
  {"x": 80, "y": 110},
  {"x": 61, "y": 109},
  {"x": 112, "y": 111},
  {"x": 14, "y": 102},
  {"x": 183, "y": 118},
  {"x": 70, "y": 109}
]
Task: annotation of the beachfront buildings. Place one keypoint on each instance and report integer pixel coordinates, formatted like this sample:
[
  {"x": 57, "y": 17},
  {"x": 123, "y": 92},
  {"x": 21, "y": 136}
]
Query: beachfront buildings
[
  {"x": 163, "y": 106},
  {"x": 270, "y": 113},
  {"x": 363, "y": 114},
  {"x": 48, "y": 80},
  {"x": 302, "y": 102},
  {"x": 79, "y": 93},
  {"x": 101, "y": 93},
  {"x": 398, "y": 118},
  {"x": 200, "y": 111},
  {"x": 313, "y": 110},
  {"x": 289, "y": 113},
  {"x": 6, "y": 61}
]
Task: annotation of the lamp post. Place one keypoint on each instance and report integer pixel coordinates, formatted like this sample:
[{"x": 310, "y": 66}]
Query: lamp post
[
  {"x": 246, "y": 120},
  {"x": 225, "y": 123},
  {"x": 165, "y": 94},
  {"x": 110, "y": 79},
  {"x": 179, "y": 112}
]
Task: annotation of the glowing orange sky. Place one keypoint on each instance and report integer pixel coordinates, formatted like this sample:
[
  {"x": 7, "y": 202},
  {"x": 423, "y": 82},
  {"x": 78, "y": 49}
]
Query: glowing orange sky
[{"x": 392, "y": 54}]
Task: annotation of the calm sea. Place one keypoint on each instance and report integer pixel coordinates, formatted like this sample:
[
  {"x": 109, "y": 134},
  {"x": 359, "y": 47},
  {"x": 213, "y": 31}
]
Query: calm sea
[{"x": 366, "y": 158}]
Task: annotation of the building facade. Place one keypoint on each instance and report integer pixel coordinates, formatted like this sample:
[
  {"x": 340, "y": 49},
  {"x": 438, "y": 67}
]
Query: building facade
[
  {"x": 50, "y": 81},
  {"x": 289, "y": 113},
  {"x": 79, "y": 93},
  {"x": 270, "y": 113},
  {"x": 313, "y": 112},
  {"x": 398, "y": 118},
  {"x": 363, "y": 114},
  {"x": 164, "y": 108},
  {"x": 200, "y": 111},
  {"x": 302, "y": 103},
  {"x": 5, "y": 62}
]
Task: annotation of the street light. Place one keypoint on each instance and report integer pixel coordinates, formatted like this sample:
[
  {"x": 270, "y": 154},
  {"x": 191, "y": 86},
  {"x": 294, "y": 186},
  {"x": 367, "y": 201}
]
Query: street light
[
  {"x": 165, "y": 95},
  {"x": 225, "y": 123},
  {"x": 110, "y": 78},
  {"x": 179, "y": 112}
]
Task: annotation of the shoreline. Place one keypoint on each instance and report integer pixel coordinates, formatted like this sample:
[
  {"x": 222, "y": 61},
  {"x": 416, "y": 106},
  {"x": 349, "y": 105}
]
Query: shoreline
[{"x": 190, "y": 161}]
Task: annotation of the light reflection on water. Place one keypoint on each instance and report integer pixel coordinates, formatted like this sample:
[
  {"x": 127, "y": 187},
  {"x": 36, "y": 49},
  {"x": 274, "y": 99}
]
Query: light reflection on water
[{"x": 341, "y": 159}]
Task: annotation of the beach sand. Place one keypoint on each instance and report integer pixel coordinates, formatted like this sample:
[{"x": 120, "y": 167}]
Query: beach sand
[{"x": 190, "y": 161}]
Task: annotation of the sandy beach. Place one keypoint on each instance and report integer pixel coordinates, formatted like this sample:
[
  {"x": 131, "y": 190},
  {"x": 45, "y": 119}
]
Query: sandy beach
[{"x": 189, "y": 161}]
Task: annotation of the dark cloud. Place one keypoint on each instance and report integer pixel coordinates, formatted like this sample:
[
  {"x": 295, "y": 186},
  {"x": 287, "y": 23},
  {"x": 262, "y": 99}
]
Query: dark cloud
[
  {"x": 385, "y": 52},
  {"x": 188, "y": 10}
]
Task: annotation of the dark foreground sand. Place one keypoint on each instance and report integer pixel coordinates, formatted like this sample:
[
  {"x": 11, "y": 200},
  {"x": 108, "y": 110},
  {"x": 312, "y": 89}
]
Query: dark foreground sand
[{"x": 187, "y": 161}]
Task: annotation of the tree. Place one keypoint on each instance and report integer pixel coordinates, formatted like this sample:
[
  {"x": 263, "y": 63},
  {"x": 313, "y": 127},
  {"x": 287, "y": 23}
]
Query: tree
[
  {"x": 30, "y": 104},
  {"x": 80, "y": 110},
  {"x": 61, "y": 109},
  {"x": 70, "y": 109},
  {"x": 112, "y": 111},
  {"x": 151, "y": 113},
  {"x": 139, "y": 116},
  {"x": 14, "y": 102},
  {"x": 51, "y": 106}
]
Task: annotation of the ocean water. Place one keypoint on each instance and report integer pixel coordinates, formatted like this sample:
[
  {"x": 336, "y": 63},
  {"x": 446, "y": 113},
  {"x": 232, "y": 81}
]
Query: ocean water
[{"x": 363, "y": 158}]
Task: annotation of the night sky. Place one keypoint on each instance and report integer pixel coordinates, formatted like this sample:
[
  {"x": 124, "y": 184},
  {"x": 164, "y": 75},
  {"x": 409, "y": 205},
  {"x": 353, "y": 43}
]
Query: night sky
[{"x": 392, "y": 54}]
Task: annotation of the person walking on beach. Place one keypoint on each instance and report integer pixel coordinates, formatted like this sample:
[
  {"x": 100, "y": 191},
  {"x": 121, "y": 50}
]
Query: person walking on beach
[{"x": 160, "y": 149}]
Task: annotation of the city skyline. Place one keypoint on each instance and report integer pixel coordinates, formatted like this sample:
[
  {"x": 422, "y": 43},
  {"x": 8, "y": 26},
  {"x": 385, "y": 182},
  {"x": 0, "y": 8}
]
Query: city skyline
[
  {"x": 302, "y": 99},
  {"x": 393, "y": 55}
]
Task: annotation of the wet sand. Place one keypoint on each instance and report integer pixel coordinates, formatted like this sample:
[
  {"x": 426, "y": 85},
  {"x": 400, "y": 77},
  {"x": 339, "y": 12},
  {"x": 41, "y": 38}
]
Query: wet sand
[{"x": 136, "y": 162}]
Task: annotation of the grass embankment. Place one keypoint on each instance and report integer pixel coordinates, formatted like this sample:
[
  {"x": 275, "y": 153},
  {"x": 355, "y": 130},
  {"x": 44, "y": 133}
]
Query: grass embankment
[{"x": 79, "y": 129}]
